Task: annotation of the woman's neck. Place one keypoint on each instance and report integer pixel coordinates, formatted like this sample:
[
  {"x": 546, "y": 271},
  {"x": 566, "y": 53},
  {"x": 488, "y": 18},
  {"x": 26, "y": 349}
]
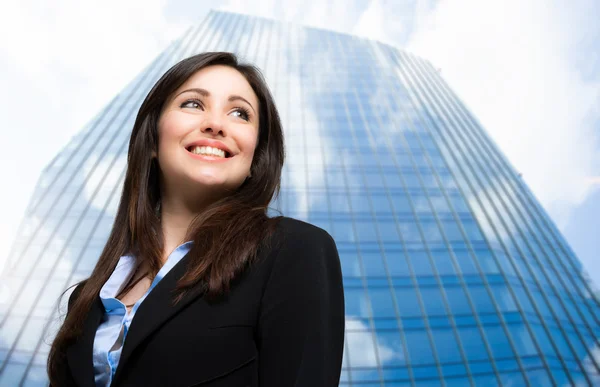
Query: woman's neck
[{"x": 175, "y": 220}]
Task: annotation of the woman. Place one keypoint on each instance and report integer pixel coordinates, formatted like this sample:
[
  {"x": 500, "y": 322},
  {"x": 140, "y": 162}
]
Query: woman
[{"x": 196, "y": 284}]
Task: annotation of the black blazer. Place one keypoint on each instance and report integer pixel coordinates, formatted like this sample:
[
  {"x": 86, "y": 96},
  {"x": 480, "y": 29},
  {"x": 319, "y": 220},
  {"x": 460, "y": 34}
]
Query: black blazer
[{"x": 281, "y": 325}]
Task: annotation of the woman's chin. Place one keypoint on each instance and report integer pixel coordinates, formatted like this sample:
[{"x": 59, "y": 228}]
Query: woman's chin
[{"x": 215, "y": 184}]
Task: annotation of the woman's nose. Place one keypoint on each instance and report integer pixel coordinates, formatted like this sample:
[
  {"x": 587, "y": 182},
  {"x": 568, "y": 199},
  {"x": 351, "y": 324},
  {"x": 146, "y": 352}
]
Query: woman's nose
[{"x": 213, "y": 125}]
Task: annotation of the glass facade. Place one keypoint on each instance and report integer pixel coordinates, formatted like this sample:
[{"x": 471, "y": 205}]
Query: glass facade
[{"x": 454, "y": 274}]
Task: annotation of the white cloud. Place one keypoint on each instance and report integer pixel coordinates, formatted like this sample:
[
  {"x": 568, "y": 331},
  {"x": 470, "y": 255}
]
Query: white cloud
[
  {"x": 509, "y": 62},
  {"x": 370, "y": 23},
  {"x": 391, "y": 22}
]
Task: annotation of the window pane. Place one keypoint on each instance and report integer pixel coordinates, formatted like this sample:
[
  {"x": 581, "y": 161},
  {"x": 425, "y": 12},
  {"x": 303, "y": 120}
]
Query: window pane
[{"x": 408, "y": 304}]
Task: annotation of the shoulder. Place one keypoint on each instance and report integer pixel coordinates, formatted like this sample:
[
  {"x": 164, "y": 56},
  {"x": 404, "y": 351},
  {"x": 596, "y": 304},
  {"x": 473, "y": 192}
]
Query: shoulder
[
  {"x": 300, "y": 236},
  {"x": 300, "y": 244},
  {"x": 303, "y": 269},
  {"x": 292, "y": 229}
]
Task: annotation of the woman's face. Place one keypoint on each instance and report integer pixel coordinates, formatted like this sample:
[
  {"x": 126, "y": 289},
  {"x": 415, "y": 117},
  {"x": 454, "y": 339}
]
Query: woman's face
[{"x": 216, "y": 106}]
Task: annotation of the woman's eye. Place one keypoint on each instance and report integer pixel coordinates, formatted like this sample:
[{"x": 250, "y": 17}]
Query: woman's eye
[
  {"x": 191, "y": 103},
  {"x": 241, "y": 113}
]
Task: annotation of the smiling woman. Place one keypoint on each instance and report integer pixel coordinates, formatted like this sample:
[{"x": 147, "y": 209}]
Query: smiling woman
[{"x": 196, "y": 284}]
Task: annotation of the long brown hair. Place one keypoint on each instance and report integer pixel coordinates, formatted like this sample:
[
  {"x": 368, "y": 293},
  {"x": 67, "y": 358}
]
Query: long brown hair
[{"x": 226, "y": 235}]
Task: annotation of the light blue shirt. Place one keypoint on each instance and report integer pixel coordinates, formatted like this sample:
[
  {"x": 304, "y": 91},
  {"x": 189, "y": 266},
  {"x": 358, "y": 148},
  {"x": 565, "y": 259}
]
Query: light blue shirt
[{"x": 114, "y": 326}]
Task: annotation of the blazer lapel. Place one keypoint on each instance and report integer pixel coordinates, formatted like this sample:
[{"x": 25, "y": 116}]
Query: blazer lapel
[
  {"x": 156, "y": 309},
  {"x": 79, "y": 355}
]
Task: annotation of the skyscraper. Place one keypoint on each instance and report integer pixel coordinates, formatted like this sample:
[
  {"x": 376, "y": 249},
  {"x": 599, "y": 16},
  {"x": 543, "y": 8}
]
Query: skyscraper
[{"x": 453, "y": 272}]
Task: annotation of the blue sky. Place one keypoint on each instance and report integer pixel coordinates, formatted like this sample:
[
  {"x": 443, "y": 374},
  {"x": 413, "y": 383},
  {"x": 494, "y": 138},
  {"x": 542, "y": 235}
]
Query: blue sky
[{"x": 527, "y": 70}]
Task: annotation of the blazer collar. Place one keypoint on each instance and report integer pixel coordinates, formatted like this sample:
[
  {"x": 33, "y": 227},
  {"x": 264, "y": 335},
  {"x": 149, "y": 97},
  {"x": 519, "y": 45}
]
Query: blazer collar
[{"x": 151, "y": 314}]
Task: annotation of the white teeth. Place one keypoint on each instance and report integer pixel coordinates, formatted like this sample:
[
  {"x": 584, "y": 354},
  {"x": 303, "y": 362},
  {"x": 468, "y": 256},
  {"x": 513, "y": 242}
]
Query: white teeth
[{"x": 208, "y": 150}]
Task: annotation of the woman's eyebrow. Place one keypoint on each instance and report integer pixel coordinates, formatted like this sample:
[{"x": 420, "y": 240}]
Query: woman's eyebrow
[{"x": 206, "y": 93}]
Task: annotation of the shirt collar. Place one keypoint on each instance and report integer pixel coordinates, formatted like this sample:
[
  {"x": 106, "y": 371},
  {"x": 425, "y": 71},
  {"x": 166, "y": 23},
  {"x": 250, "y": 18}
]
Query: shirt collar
[{"x": 124, "y": 269}]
